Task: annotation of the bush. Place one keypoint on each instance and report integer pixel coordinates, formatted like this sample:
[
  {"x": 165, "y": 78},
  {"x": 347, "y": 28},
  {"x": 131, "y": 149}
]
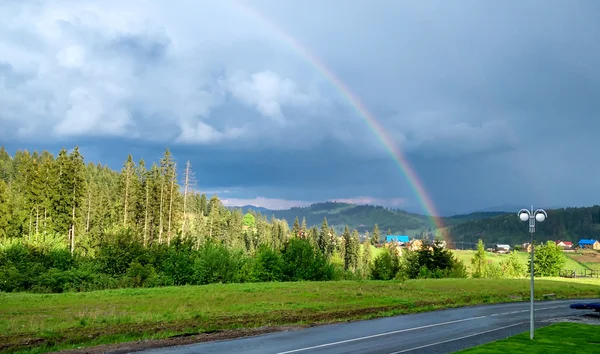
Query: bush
[
  {"x": 214, "y": 265},
  {"x": 512, "y": 267},
  {"x": 268, "y": 265},
  {"x": 548, "y": 260},
  {"x": 384, "y": 266},
  {"x": 432, "y": 261},
  {"x": 116, "y": 255},
  {"x": 302, "y": 261}
]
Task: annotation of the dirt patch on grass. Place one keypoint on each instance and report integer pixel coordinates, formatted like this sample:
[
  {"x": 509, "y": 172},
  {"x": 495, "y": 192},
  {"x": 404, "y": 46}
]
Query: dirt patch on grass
[
  {"x": 591, "y": 257},
  {"x": 180, "y": 340},
  {"x": 199, "y": 329}
]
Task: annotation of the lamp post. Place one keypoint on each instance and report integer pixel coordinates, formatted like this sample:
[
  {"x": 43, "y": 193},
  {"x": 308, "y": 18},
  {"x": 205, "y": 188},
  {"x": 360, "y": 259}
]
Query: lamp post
[{"x": 533, "y": 216}]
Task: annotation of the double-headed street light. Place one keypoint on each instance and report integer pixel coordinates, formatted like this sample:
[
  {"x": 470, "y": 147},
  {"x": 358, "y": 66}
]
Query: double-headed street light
[{"x": 533, "y": 216}]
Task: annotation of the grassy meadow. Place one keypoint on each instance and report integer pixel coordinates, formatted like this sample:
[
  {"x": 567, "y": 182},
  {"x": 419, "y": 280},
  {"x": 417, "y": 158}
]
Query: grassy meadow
[
  {"x": 69, "y": 320},
  {"x": 588, "y": 260},
  {"x": 496, "y": 258}
]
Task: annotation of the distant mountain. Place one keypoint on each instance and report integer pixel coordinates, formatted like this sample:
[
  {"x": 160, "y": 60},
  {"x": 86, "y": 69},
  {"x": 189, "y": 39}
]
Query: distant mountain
[
  {"x": 505, "y": 208},
  {"x": 515, "y": 208},
  {"x": 494, "y": 225},
  {"x": 364, "y": 217},
  {"x": 245, "y": 208}
]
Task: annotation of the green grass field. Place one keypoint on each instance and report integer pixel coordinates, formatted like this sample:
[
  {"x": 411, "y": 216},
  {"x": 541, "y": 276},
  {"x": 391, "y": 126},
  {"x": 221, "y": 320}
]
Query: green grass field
[
  {"x": 557, "y": 338},
  {"x": 58, "y": 321},
  {"x": 588, "y": 259},
  {"x": 572, "y": 262},
  {"x": 496, "y": 258}
]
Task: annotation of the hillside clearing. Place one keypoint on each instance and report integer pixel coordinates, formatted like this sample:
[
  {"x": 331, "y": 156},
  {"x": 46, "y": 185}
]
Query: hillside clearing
[
  {"x": 587, "y": 259},
  {"x": 496, "y": 258},
  {"x": 53, "y": 321}
]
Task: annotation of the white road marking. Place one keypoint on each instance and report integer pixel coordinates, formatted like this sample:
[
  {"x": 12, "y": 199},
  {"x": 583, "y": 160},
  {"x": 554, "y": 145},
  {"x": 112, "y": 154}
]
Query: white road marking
[
  {"x": 459, "y": 338},
  {"x": 382, "y": 334},
  {"x": 513, "y": 312}
]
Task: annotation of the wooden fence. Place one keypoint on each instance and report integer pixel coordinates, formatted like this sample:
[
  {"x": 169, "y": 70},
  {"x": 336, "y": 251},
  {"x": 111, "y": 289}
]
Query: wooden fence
[{"x": 585, "y": 273}]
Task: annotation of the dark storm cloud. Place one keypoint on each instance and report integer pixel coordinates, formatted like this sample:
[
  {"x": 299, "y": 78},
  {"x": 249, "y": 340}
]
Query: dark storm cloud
[{"x": 492, "y": 102}]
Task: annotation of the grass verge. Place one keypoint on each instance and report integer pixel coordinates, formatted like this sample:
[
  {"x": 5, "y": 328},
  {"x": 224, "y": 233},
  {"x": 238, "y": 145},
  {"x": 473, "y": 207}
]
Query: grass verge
[
  {"x": 556, "y": 338},
  {"x": 48, "y": 322}
]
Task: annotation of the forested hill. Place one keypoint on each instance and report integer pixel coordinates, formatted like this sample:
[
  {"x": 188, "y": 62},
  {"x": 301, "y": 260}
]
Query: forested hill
[
  {"x": 364, "y": 217},
  {"x": 569, "y": 224}
]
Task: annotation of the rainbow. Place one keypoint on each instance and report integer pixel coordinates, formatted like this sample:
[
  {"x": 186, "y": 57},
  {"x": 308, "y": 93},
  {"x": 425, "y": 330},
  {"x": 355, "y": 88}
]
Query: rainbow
[{"x": 405, "y": 167}]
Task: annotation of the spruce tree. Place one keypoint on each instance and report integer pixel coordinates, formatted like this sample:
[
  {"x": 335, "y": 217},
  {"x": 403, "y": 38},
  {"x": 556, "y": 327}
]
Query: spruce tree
[
  {"x": 296, "y": 228},
  {"x": 376, "y": 236},
  {"x": 347, "y": 242},
  {"x": 4, "y": 209}
]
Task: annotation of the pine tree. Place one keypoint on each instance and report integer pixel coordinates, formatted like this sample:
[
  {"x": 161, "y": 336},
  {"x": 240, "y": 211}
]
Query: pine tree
[
  {"x": 60, "y": 199},
  {"x": 313, "y": 235},
  {"x": 4, "y": 208},
  {"x": 171, "y": 197},
  {"x": 347, "y": 243},
  {"x": 128, "y": 177},
  {"x": 354, "y": 249},
  {"x": 366, "y": 257},
  {"x": 296, "y": 228},
  {"x": 167, "y": 169},
  {"x": 376, "y": 236},
  {"x": 49, "y": 185},
  {"x": 324, "y": 241},
  {"x": 203, "y": 205},
  {"x": 77, "y": 173},
  {"x": 5, "y": 165},
  {"x": 189, "y": 183}
]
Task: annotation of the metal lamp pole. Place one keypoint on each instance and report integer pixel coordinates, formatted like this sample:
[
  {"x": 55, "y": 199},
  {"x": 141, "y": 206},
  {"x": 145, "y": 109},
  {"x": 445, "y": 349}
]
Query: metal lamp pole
[{"x": 532, "y": 216}]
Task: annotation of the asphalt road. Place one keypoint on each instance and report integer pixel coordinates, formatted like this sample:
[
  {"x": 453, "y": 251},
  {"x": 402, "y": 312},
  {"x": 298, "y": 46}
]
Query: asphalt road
[{"x": 443, "y": 331}]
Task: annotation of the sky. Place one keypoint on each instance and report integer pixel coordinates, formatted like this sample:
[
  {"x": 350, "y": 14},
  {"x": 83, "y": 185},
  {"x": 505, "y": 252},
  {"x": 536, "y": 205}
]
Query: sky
[{"x": 491, "y": 103}]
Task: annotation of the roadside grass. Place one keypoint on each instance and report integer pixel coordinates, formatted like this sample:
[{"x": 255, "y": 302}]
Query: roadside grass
[
  {"x": 556, "y": 338},
  {"x": 60, "y": 321}
]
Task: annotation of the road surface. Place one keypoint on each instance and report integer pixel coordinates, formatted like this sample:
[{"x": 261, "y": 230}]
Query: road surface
[{"x": 443, "y": 331}]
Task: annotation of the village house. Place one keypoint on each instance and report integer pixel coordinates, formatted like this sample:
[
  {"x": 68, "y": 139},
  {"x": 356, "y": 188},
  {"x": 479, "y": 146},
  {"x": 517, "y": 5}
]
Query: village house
[
  {"x": 394, "y": 247},
  {"x": 564, "y": 244},
  {"x": 527, "y": 247},
  {"x": 501, "y": 248},
  {"x": 589, "y": 244},
  {"x": 415, "y": 245},
  {"x": 441, "y": 244},
  {"x": 399, "y": 239}
]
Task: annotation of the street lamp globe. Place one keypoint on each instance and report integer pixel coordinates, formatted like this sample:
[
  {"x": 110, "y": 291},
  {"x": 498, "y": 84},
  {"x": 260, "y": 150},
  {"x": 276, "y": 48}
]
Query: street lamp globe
[
  {"x": 524, "y": 216},
  {"x": 539, "y": 217}
]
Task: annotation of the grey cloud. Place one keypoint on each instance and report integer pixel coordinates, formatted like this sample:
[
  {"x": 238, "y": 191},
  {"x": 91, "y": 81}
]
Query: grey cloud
[{"x": 466, "y": 92}]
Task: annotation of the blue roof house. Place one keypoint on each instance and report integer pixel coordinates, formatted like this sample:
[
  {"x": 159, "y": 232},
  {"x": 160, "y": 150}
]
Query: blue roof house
[
  {"x": 585, "y": 243},
  {"x": 397, "y": 238}
]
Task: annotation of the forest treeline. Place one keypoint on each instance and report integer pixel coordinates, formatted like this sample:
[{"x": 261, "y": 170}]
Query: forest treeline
[
  {"x": 568, "y": 224},
  {"x": 70, "y": 226},
  {"x": 67, "y": 225}
]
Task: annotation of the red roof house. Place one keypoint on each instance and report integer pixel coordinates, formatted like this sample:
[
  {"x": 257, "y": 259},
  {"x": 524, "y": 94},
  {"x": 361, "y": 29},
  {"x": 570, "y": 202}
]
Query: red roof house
[{"x": 564, "y": 244}]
